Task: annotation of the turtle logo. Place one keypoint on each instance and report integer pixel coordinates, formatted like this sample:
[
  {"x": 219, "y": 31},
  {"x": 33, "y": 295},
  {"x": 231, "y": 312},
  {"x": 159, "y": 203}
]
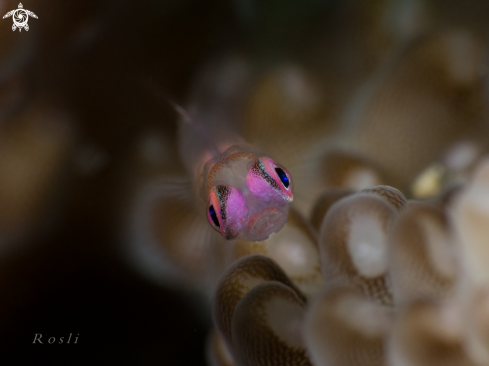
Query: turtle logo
[{"x": 20, "y": 17}]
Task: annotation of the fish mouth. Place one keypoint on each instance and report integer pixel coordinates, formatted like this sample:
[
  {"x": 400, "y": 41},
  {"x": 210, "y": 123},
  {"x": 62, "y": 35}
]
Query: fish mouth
[{"x": 266, "y": 222}]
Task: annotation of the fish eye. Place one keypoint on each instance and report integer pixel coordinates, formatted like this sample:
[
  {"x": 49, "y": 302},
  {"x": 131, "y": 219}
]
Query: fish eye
[
  {"x": 214, "y": 213},
  {"x": 266, "y": 178},
  {"x": 213, "y": 216},
  {"x": 283, "y": 177},
  {"x": 226, "y": 207}
]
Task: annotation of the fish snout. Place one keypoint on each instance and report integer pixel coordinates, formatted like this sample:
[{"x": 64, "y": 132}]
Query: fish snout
[{"x": 266, "y": 222}]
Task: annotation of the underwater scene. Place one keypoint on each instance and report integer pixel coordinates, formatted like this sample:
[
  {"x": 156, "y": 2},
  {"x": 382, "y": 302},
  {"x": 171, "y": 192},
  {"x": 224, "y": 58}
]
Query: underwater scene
[{"x": 244, "y": 182}]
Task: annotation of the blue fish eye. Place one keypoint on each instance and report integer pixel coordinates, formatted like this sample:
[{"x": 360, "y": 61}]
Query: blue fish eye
[
  {"x": 213, "y": 214},
  {"x": 283, "y": 177}
]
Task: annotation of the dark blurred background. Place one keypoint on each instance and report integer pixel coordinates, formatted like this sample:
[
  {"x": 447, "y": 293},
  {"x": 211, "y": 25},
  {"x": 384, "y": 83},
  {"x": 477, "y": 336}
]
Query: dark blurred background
[{"x": 76, "y": 74}]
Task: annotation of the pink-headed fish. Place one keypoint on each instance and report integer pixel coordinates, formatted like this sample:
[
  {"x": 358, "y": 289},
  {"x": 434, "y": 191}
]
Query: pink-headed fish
[
  {"x": 210, "y": 185},
  {"x": 245, "y": 194}
]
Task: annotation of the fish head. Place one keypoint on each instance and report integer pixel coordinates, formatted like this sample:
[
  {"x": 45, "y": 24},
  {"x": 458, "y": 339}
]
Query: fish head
[{"x": 250, "y": 199}]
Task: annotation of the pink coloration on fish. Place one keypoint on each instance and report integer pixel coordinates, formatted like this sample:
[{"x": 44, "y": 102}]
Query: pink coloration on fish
[
  {"x": 227, "y": 207},
  {"x": 249, "y": 197},
  {"x": 268, "y": 180},
  {"x": 246, "y": 195}
]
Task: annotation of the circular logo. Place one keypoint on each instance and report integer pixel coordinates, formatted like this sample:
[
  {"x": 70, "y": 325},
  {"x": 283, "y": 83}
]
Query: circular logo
[{"x": 20, "y": 18}]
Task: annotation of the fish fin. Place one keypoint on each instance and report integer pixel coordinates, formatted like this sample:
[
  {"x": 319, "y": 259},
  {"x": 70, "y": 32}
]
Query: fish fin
[{"x": 170, "y": 238}]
